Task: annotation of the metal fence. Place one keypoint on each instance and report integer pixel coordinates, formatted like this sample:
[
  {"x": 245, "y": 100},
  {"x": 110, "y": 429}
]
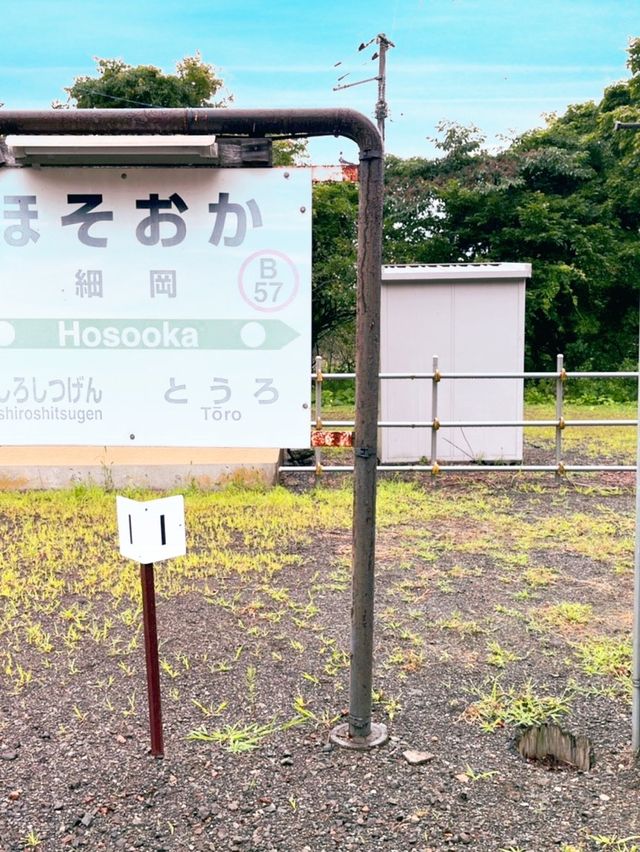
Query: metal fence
[{"x": 324, "y": 434}]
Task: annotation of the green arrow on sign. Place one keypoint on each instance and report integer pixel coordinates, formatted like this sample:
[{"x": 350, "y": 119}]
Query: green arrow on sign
[{"x": 239, "y": 334}]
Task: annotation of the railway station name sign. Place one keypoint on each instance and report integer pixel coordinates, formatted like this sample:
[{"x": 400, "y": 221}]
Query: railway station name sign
[{"x": 155, "y": 306}]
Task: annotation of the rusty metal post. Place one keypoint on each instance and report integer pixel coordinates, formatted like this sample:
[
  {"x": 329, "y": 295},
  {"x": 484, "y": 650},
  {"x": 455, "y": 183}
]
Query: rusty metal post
[
  {"x": 318, "y": 388},
  {"x": 292, "y": 123},
  {"x": 151, "y": 655},
  {"x": 560, "y": 425},
  {"x": 435, "y": 423}
]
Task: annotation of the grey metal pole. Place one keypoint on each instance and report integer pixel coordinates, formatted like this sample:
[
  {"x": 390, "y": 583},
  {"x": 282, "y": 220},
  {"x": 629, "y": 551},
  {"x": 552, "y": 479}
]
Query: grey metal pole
[
  {"x": 635, "y": 647},
  {"x": 381, "y": 105},
  {"x": 360, "y": 731},
  {"x": 318, "y": 388},
  {"x": 468, "y": 424},
  {"x": 381, "y": 77},
  {"x": 559, "y": 412}
]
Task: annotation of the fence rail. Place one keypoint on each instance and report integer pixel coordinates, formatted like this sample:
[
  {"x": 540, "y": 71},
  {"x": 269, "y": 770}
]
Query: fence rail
[{"x": 560, "y": 423}]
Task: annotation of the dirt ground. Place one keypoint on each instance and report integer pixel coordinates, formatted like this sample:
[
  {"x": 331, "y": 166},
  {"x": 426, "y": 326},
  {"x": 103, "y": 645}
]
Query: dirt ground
[{"x": 502, "y": 601}]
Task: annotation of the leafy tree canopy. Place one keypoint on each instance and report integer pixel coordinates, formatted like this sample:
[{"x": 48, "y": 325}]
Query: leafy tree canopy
[
  {"x": 335, "y": 213},
  {"x": 290, "y": 152},
  {"x": 565, "y": 198},
  {"x": 195, "y": 84},
  {"x": 123, "y": 86}
]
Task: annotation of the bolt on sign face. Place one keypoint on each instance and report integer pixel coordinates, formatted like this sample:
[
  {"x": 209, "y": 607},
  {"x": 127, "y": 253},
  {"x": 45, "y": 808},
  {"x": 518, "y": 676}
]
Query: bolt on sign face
[{"x": 155, "y": 306}]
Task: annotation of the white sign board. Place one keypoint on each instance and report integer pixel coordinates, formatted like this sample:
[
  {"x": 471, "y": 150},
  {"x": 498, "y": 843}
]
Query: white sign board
[
  {"x": 151, "y": 530},
  {"x": 155, "y": 306}
]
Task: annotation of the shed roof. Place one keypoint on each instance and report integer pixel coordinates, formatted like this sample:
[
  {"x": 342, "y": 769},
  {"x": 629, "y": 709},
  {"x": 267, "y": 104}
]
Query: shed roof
[{"x": 455, "y": 271}]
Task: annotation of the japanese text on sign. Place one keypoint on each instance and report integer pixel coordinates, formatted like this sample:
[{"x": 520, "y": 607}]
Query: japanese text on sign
[{"x": 156, "y": 228}]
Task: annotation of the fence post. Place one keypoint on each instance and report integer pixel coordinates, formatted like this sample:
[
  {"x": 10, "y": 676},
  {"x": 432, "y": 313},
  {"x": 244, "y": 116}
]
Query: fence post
[
  {"x": 318, "y": 388},
  {"x": 560, "y": 380},
  {"x": 435, "y": 423}
]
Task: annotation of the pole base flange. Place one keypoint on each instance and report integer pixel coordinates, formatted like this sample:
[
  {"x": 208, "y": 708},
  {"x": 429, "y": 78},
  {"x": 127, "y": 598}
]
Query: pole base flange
[{"x": 340, "y": 737}]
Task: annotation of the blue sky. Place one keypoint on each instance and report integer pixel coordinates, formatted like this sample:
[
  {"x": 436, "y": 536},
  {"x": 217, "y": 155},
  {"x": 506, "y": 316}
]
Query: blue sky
[{"x": 498, "y": 64}]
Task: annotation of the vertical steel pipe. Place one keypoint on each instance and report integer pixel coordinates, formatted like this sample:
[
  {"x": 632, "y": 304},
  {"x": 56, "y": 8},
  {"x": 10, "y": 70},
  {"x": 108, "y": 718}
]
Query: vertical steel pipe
[
  {"x": 366, "y": 442},
  {"x": 560, "y": 380},
  {"x": 318, "y": 389},
  {"x": 635, "y": 643}
]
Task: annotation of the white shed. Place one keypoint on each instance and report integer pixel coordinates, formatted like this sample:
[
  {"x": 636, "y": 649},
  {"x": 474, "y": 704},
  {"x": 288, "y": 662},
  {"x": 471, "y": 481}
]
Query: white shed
[{"x": 471, "y": 315}]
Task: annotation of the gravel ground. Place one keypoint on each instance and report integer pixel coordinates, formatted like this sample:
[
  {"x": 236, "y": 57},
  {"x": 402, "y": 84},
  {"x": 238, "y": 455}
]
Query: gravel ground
[{"x": 482, "y": 615}]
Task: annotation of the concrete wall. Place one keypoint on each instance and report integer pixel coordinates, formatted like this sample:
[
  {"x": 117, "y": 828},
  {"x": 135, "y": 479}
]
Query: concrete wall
[{"x": 118, "y": 467}]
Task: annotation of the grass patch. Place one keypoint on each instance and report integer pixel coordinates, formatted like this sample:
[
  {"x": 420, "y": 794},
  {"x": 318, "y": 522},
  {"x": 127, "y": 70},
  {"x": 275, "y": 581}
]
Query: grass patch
[
  {"x": 599, "y": 442},
  {"x": 565, "y": 614},
  {"x": 457, "y": 624},
  {"x": 235, "y": 738},
  {"x": 499, "y": 657},
  {"x": 539, "y": 578},
  {"x": 497, "y": 706},
  {"x": 607, "y": 657}
]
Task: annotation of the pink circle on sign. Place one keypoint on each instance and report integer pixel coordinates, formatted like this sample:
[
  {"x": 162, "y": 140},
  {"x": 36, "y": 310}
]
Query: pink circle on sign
[{"x": 266, "y": 288}]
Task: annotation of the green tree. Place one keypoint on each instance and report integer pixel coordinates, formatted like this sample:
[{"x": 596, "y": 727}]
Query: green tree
[
  {"x": 335, "y": 214},
  {"x": 565, "y": 198},
  {"x": 123, "y": 86},
  {"x": 290, "y": 152},
  {"x": 195, "y": 84}
]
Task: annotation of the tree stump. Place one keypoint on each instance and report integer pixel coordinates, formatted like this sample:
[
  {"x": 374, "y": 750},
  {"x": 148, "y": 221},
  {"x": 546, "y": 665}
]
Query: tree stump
[{"x": 549, "y": 744}]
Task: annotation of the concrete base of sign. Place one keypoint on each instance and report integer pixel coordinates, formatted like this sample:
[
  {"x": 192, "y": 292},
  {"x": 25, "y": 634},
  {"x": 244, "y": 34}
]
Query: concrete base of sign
[
  {"x": 340, "y": 736},
  {"x": 150, "y": 467}
]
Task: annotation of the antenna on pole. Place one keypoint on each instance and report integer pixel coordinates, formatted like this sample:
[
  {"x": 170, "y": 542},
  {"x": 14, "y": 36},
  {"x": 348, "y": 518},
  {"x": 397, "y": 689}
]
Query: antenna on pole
[{"x": 384, "y": 44}]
